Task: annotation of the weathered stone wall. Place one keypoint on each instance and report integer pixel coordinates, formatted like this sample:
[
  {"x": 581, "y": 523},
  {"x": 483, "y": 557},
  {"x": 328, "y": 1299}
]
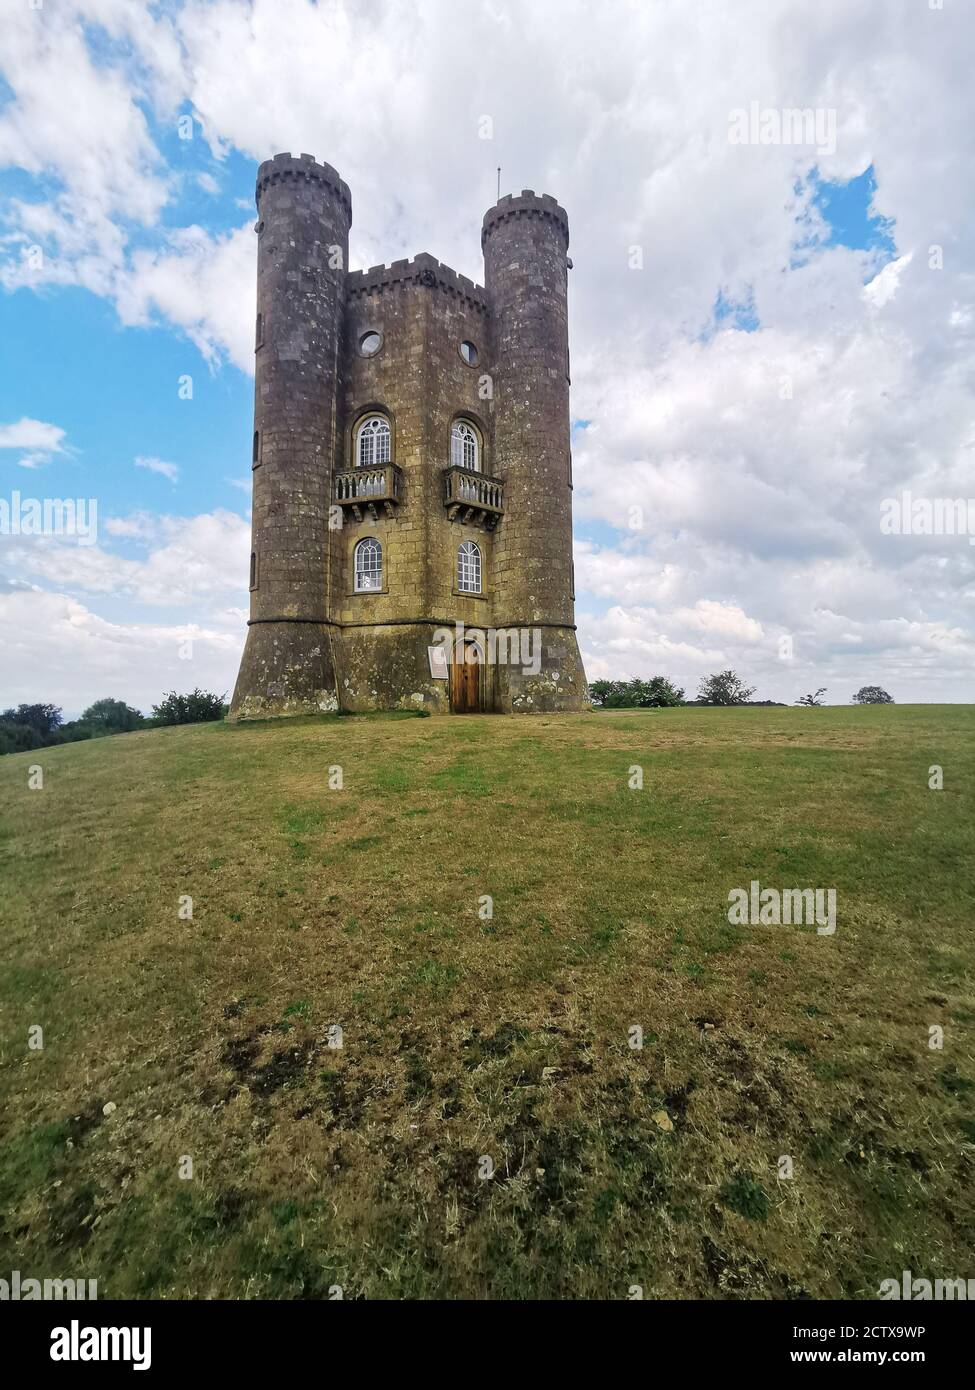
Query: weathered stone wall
[
  {"x": 418, "y": 379},
  {"x": 525, "y": 241},
  {"x": 304, "y": 213},
  {"x": 313, "y": 642}
]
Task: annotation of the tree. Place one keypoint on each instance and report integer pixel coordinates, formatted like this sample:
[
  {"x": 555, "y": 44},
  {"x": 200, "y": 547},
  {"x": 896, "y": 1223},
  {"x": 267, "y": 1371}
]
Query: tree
[
  {"x": 195, "y": 708},
  {"x": 43, "y": 719},
  {"x": 111, "y": 717},
  {"x": 811, "y": 700},
  {"x": 724, "y": 688},
  {"x": 872, "y": 695}
]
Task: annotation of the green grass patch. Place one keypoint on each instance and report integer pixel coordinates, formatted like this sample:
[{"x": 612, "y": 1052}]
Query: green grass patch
[{"x": 338, "y": 1038}]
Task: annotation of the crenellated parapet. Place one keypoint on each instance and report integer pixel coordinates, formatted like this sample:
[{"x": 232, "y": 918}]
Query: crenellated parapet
[
  {"x": 302, "y": 168},
  {"x": 423, "y": 269},
  {"x": 526, "y": 204}
]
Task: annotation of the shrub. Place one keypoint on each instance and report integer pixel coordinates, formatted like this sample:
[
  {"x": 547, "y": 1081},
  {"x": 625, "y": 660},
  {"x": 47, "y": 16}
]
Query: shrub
[
  {"x": 657, "y": 692},
  {"x": 18, "y": 738},
  {"x": 196, "y": 708}
]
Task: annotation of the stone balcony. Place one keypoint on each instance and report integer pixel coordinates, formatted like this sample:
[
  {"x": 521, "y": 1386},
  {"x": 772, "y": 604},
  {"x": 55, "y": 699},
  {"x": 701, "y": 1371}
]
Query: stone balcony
[
  {"x": 473, "y": 497},
  {"x": 365, "y": 490}
]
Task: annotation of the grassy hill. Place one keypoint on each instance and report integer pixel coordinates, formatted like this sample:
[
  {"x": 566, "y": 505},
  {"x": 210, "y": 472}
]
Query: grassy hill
[{"x": 507, "y": 1037}]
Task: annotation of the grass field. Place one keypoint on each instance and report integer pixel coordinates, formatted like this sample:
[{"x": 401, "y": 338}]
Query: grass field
[{"x": 506, "y": 1038}]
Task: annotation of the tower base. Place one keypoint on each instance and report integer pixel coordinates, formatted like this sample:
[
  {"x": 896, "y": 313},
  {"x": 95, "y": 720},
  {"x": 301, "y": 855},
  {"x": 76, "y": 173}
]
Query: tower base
[
  {"x": 386, "y": 667},
  {"x": 558, "y": 686},
  {"x": 311, "y": 668},
  {"x": 287, "y": 668}
]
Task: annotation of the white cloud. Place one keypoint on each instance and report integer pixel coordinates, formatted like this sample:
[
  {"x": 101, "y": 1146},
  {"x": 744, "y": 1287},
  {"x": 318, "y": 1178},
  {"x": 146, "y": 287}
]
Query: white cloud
[
  {"x": 204, "y": 284},
  {"x": 727, "y": 489},
  {"x": 160, "y": 466},
  {"x": 31, "y": 434},
  {"x": 40, "y": 441},
  {"x": 136, "y": 526},
  {"x": 190, "y": 561},
  {"x": 53, "y": 647},
  {"x": 77, "y": 122},
  {"x": 719, "y": 620},
  {"x": 882, "y": 288}
]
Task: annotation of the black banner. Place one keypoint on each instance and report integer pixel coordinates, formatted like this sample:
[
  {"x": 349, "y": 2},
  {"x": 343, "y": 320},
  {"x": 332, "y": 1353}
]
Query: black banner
[{"x": 163, "y": 1338}]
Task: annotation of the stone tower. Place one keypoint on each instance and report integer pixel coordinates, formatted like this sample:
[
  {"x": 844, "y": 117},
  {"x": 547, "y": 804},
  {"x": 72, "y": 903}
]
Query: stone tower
[
  {"x": 304, "y": 213},
  {"x": 412, "y": 500}
]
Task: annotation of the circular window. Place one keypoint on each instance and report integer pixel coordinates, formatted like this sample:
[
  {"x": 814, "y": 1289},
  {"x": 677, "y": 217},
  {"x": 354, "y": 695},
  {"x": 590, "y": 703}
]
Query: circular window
[
  {"x": 370, "y": 343},
  {"x": 469, "y": 353}
]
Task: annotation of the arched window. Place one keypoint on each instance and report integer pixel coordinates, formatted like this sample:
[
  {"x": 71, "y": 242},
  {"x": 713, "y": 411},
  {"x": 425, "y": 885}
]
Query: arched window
[
  {"x": 469, "y": 568},
  {"x": 465, "y": 446},
  {"x": 372, "y": 442},
  {"x": 368, "y": 565}
]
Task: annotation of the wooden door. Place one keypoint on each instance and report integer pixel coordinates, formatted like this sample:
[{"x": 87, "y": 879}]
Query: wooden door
[{"x": 465, "y": 684}]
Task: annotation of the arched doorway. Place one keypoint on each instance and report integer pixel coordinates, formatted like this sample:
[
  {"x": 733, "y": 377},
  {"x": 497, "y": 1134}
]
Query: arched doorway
[{"x": 465, "y": 677}]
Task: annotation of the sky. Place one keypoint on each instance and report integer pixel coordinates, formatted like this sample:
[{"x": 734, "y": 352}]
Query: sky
[{"x": 772, "y": 324}]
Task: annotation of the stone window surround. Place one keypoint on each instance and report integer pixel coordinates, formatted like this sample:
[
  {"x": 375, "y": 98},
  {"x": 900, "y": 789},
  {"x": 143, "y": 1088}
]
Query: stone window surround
[
  {"x": 384, "y": 589},
  {"x": 375, "y": 438},
  {"x": 359, "y": 417},
  {"x": 478, "y": 464},
  {"x": 468, "y": 417},
  {"x": 474, "y": 547}
]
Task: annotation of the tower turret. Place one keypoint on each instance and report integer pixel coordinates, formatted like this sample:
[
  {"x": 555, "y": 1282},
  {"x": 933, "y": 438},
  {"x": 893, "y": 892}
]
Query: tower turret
[
  {"x": 525, "y": 239},
  {"x": 304, "y": 214}
]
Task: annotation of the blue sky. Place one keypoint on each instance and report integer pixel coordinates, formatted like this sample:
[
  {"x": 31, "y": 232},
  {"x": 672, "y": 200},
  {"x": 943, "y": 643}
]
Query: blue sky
[
  {"x": 762, "y": 266},
  {"x": 115, "y": 389}
]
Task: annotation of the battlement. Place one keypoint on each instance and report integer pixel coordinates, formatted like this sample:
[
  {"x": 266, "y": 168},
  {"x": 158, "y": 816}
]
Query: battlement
[
  {"x": 527, "y": 203},
  {"x": 423, "y": 269},
  {"x": 289, "y": 166}
]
